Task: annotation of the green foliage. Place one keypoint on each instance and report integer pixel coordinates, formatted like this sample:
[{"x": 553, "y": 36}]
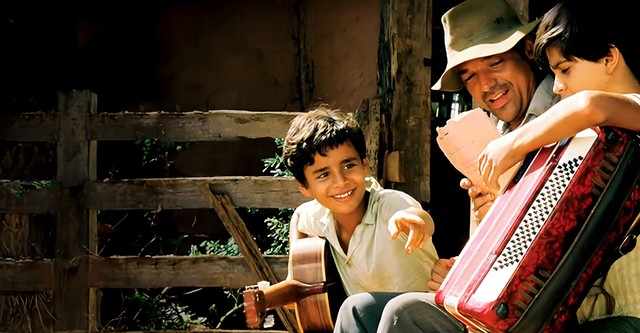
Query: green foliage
[
  {"x": 278, "y": 225},
  {"x": 24, "y": 187},
  {"x": 274, "y": 165},
  {"x": 145, "y": 312},
  {"x": 279, "y": 232},
  {"x": 156, "y": 150},
  {"x": 156, "y": 313},
  {"x": 230, "y": 248}
]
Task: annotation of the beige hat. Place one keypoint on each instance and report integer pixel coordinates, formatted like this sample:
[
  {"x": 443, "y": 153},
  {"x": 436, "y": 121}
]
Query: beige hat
[{"x": 476, "y": 29}]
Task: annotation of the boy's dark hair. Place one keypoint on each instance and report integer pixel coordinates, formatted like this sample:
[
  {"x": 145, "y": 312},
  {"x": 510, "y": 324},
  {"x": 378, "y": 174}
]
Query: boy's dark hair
[
  {"x": 318, "y": 131},
  {"x": 587, "y": 32},
  {"x": 538, "y": 73}
]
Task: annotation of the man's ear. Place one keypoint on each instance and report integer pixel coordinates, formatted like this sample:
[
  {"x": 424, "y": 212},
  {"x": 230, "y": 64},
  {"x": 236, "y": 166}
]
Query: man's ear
[
  {"x": 304, "y": 190},
  {"x": 529, "y": 48}
]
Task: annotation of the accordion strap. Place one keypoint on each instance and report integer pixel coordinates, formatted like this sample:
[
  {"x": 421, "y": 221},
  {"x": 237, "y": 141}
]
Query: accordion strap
[{"x": 629, "y": 241}]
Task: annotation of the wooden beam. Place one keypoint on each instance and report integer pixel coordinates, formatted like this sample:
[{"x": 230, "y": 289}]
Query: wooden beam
[
  {"x": 224, "y": 207},
  {"x": 176, "y": 126},
  {"x": 26, "y": 275},
  {"x": 187, "y": 193},
  {"x": 198, "y": 330},
  {"x": 156, "y": 193},
  {"x": 23, "y": 197},
  {"x": 178, "y": 271},
  {"x": 36, "y": 126},
  {"x": 190, "y": 126},
  {"x": 137, "y": 272}
]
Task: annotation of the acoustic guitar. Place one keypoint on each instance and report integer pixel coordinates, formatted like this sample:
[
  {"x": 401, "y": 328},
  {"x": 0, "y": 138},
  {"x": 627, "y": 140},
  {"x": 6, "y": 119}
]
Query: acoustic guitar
[{"x": 314, "y": 288}]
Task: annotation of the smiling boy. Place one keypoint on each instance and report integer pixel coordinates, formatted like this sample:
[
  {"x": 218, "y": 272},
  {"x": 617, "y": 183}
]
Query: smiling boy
[{"x": 380, "y": 238}]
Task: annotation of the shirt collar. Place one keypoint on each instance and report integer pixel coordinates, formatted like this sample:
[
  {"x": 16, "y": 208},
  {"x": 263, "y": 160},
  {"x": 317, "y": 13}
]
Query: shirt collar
[{"x": 543, "y": 99}]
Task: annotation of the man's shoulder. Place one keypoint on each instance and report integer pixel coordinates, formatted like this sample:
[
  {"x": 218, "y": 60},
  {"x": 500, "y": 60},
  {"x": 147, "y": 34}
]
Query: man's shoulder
[{"x": 544, "y": 97}]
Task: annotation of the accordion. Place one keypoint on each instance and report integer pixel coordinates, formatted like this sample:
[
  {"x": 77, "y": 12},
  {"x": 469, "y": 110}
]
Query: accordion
[{"x": 557, "y": 227}]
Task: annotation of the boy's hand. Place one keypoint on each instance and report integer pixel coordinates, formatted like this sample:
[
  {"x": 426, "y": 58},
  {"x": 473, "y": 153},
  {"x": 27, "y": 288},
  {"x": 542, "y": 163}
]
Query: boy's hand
[
  {"x": 413, "y": 225},
  {"x": 439, "y": 271},
  {"x": 498, "y": 157},
  {"x": 481, "y": 200}
]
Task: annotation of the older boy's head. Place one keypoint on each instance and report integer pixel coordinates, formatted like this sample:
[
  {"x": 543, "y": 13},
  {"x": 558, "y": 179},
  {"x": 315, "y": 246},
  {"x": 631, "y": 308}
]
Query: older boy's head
[
  {"x": 588, "y": 32},
  {"x": 318, "y": 131}
]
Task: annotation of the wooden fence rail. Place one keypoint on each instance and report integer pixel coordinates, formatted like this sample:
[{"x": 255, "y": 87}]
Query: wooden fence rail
[{"x": 75, "y": 195}]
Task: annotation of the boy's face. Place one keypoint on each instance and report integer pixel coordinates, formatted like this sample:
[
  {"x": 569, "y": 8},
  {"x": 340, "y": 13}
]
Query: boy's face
[
  {"x": 574, "y": 75},
  {"x": 337, "y": 181}
]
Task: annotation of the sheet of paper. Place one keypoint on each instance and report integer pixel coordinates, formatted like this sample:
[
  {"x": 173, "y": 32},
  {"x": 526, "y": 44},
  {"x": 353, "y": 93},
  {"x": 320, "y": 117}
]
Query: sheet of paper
[{"x": 463, "y": 138}]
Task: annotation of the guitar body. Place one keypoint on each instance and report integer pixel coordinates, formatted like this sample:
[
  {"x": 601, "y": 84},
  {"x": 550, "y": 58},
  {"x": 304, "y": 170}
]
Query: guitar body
[
  {"x": 311, "y": 263},
  {"x": 314, "y": 288}
]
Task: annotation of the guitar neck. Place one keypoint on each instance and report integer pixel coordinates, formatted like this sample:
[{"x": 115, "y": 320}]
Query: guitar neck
[{"x": 291, "y": 291}]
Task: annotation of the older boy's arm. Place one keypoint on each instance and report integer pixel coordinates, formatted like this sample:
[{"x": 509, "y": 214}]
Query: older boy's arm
[
  {"x": 566, "y": 118},
  {"x": 413, "y": 221}
]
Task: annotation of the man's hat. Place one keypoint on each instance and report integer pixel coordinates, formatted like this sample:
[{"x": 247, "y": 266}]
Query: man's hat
[{"x": 476, "y": 29}]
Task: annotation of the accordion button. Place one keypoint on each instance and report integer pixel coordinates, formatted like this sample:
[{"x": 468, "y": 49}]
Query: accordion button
[{"x": 502, "y": 310}]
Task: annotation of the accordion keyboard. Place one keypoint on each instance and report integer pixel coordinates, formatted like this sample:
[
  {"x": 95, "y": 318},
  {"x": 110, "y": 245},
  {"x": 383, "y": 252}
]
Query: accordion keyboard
[{"x": 507, "y": 260}]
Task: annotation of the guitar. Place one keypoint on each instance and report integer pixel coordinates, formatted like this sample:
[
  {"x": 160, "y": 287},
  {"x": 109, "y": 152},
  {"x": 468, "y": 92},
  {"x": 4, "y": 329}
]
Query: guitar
[{"x": 314, "y": 289}]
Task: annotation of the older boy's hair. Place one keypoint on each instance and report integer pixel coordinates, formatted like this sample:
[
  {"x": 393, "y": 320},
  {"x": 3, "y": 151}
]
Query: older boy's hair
[
  {"x": 318, "y": 131},
  {"x": 587, "y": 32}
]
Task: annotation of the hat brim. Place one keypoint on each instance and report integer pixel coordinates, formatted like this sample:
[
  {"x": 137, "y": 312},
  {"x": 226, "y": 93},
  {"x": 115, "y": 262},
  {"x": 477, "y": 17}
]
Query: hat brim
[{"x": 449, "y": 81}]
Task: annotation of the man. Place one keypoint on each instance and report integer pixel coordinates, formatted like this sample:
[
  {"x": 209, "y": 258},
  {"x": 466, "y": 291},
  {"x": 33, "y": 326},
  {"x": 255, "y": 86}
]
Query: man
[{"x": 490, "y": 52}]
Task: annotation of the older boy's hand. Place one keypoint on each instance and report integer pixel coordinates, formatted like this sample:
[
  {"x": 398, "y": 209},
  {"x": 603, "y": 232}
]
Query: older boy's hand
[
  {"x": 481, "y": 200},
  {"x": 413, "y": 225},
  {"x": 498, "y": 157},
  {"x": 439, "y": 271}
]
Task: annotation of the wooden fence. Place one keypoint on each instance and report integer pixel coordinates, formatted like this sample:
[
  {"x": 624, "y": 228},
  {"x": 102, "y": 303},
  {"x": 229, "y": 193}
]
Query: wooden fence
[{"x": 77, "y": 272}]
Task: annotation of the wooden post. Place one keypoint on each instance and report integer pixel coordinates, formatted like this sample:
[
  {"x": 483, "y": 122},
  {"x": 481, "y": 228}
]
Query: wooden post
[
  {"x": 368, "y": 116},
  {"x": 404, "y": 89},
  {"x": 72, "y": 295},
  {"x": 304, "y": 65}
]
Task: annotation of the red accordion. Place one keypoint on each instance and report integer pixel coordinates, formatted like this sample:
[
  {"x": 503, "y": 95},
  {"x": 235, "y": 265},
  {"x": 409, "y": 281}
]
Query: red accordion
[{"x": 556, "y": 228}]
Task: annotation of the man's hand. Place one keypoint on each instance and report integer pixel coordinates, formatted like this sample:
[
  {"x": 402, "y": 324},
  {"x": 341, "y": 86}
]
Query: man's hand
[
  {"x": 439, "y": 271},
  {"x": 481, "y": 200},
  {"x": 413, "y": 225}
]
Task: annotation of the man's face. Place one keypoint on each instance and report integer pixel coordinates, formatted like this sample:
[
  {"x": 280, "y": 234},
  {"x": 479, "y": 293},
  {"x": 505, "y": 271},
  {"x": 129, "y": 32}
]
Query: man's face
[{"x": 502, "y": 84}]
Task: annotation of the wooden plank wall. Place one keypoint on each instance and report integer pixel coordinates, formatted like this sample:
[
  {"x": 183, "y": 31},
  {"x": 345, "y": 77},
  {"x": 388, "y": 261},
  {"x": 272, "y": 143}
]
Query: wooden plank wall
[{"x": 76, "y": 273}]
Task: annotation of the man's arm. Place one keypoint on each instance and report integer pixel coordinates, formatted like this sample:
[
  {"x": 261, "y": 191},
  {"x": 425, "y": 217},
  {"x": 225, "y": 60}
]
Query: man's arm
[
  {"x": 480, "y": 201},
  {"x": 439, "y": 271}
]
